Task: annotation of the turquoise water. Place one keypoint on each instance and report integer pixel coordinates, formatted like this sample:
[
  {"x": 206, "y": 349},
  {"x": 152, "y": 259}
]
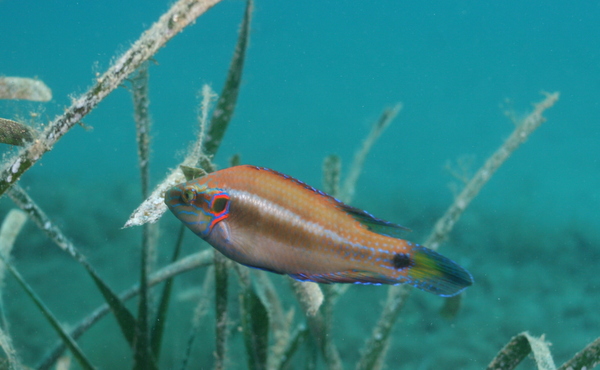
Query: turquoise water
[{"x": 316, "y": 76}]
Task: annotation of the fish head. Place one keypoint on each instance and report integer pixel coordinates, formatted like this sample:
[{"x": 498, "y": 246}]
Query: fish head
[{"x": 198, "y": 206}]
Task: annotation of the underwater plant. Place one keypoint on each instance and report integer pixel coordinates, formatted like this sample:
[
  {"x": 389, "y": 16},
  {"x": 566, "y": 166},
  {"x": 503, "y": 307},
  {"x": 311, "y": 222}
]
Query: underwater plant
[{"x": 272, "y": 336}]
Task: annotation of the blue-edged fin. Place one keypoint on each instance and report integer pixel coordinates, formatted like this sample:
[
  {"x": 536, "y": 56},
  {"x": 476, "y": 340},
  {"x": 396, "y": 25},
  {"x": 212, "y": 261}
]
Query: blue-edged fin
[
  {"x": 348, "y": 277},
  {"x": 369, "y": 221},
  {"x": 434, "y": 273},
  {"x": 373, "y": 223}
]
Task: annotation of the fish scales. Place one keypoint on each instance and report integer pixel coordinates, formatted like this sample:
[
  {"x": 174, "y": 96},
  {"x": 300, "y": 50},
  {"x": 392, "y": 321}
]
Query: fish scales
[
  {"x": 272, "y": 221},
  {"x": 276, "y": 214}
]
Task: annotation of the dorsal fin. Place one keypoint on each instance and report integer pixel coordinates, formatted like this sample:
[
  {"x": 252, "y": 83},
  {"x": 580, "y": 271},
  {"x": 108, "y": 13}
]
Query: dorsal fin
[
  {"x": 366, "y": 219},
  {"x": 373, "y": 223}
]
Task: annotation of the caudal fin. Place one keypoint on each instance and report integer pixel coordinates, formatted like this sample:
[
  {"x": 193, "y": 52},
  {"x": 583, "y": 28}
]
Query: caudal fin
[{"x": 437, "y": 274}]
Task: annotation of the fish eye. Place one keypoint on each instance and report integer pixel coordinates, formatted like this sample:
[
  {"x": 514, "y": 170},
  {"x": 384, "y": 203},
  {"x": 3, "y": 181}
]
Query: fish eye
[
  {"x": 220, "y": 204},
  {"x": 188, "y": 195}
]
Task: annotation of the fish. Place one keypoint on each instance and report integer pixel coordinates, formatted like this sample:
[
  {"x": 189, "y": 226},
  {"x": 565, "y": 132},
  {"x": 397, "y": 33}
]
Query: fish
[{"x": 265, "y": 219}]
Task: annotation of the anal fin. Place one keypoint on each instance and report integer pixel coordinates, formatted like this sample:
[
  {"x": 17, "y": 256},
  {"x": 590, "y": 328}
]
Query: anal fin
[{"x": 348, "y": 277}]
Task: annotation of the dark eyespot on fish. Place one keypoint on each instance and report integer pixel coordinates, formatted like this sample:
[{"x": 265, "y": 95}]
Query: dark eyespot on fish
[
  {"x": 271, "y": 221},
  {"x": 401, "y": 261}
]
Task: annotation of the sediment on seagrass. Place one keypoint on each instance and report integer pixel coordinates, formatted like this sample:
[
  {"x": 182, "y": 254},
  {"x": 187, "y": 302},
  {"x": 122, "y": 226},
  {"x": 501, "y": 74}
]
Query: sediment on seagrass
[
  {"x": 154, "y": 206},
  {"x": 23, "y": 88},
  {"x": 518, "y": 348}
]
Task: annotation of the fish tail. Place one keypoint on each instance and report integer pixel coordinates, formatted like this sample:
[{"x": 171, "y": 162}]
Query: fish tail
[{"x": 434, "y": 273}]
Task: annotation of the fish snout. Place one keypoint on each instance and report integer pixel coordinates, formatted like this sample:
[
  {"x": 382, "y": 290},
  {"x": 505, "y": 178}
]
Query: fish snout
[{"x": 173, "y": 197}]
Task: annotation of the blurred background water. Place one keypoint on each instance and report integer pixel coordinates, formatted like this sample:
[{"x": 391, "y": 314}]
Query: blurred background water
[{"x": 317, "y": 75}]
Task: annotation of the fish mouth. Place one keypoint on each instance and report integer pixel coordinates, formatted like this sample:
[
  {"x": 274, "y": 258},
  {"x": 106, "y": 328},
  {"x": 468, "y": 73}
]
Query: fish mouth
[{"x": 173, "y": 197}]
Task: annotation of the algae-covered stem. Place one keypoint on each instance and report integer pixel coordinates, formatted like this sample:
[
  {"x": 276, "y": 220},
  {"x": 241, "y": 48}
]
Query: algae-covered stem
[
  {"x": 153, "y": 207},
  {"x": 388, "y": 115},
  {"x": 11, "y": 227},
  {"x": 462, "y": 201},
  {"x": 201, "y": 309},
  {"x": 310, "y": 297},
  {"x": 141, "y": 102},
  {"x": 519, "y": 347},
  {"x": 221, "y": 306},
  {"x": 180, "y": 15},
  {"x": 37, "y": 215}
]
